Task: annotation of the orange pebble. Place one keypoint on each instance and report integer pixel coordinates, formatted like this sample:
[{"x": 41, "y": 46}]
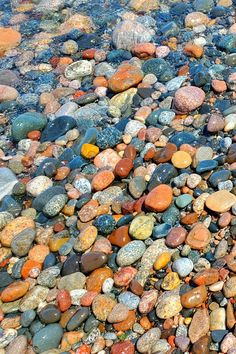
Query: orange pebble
[
  {"x": 27, "y": 161},
  {"x": 62, "y": 173},
  {"x": 189, "y": 149},
  {"x": 65, "y": 61},
  {"x": 48, "y": 151},
  {"x": 29, "y": 266},
  {"x": 100, "y": 81},
  {"x": 14, "y": 291},
  {"x": 78, "y": 94},
  {"x": 171, "y": 341},
  {"x": 34, "y": 135},
  {"x": 38, "y": 253},
  {"x": 59, "y": 226},
  {"x": 143, "y": 85},
  {"x": 145, "y": 323},
  {"x": 83, "y": 349},
  {"x": 184, "y": 70}
]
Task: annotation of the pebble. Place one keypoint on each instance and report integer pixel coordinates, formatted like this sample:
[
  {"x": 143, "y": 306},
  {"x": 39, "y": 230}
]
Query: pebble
[
  {"x": 130, "y": 253},
  {"x": 220, "y": 201},
  {"x": 168, "y": 305},
  {"x": 194, "y": 297},
  {"x": 188, "y": 98},
  {"x": 141, "y": 227},
  {"x": 47, "y": 338},
  {"x": 183, "y": 266},
  {"x": 199, "y": 325}
]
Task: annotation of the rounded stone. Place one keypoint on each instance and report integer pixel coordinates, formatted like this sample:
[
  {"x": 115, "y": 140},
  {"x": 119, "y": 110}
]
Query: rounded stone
[
  {"x": 189, "y": 98},
  {"x": 9, "y": 38},
  {"x": 194, "y": 297},
  {"x": 168, "y": 305},
  {"x": 183, "y": 266},
  {"x": 159, "y": 199},
  {"x": 102, "y": 306},
  {"x": 130, "y": 253},
  {"x": 27, "y": 122},
  {"x": 47, "y": 338},
  {"x": 141, "y": 227},
  {"x": 38, "y": 185},
  {"x": 199, "y": 237},
  {"x": 50, "y": 314},
  {"x": 181, "y": 159}
]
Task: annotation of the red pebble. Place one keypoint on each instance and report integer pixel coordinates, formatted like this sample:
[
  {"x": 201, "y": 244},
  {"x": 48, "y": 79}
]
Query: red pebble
[
  {"x": 64, "y": 300},
  {"x": 126, "y": 347},
  {"x": 124, "y": 276},
  {"x": 88, "y": 53},
  {"x": 87, "y": 298}
]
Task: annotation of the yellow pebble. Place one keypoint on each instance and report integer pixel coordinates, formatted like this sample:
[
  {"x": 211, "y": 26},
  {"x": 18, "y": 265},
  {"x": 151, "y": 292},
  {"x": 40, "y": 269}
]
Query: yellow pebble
[
  {"x": 171, "y": 281},
  {"x": 162, "y": 260},
  {"x": 181, "y": 159},
  {"x": 55, "y": 244},
  {"x": 89, "y": 151},
  {"x": 187, "y": 320}
]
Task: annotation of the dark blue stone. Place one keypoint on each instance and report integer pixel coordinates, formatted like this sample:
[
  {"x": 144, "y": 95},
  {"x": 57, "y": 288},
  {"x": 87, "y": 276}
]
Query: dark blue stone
[
  {"x": 206, "y": 165},
  {"x": 218, "y": 335},
  {"x": 219, "y": 176},
  {"x": 48, "y": 166},
  {"x": 108, "y": 138},
  {"x": 160, "y": 68},
  {"x": 119, "y": 55},
  {"x": 122, "y": 124},
  {"x": 5, "y": 279},
  {"x": 11, "y": 205},
  {"x": 171, "y": 215},
  {"x": 67, "y": 155},
  {"x": 49, "y": 261},
  {"x": 182, "y": 138},
  {"x": 105, "y": 224},
  {"x": 77, "y": 162},
  {"x": 125, "y": 220},
  {"x": 71, "y": 265},
  {"x": 227, "y": 43},
  {"x": 162, "y": 174},
  {"x": 161, "y": 231},
  {"x": 57, "y": 128}
]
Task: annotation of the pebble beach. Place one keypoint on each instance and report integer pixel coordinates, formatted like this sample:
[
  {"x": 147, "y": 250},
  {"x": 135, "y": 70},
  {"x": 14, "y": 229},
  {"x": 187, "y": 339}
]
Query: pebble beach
[{"x": 118, "y": 177}]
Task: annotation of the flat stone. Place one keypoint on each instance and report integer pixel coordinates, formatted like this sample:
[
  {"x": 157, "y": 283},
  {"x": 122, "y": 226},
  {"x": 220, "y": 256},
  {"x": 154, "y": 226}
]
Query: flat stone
[
  {"x": 127, "y": 33},
  {"x": 199, "y": 237},
  {"x": 130, "y": 253},
  {"x": 168, "y": 304},
  {"x": 141, "y": 227},
  {"x": 72, "y": 281},
  {"x": 33, "y": 298},
  {"x": 199, "y": 325},
  {"x": 220, "y": 201}
]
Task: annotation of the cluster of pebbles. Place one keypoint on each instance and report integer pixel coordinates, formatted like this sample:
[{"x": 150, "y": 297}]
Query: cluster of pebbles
[{"x": 118, "y": 177}]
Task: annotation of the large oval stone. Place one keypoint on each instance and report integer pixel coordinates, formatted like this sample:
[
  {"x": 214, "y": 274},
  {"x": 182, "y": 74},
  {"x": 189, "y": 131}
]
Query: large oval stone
[
  {"x": 199, "y": 237},
  {"x": 130, "y": 253},
  {"x": 194, "y": 297},
  {"x": 25, "y": 123},
  {"x": 47, "y": 338},
  {"x": 220, "y": 201},
  {"x": 159, "y": 199}
]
